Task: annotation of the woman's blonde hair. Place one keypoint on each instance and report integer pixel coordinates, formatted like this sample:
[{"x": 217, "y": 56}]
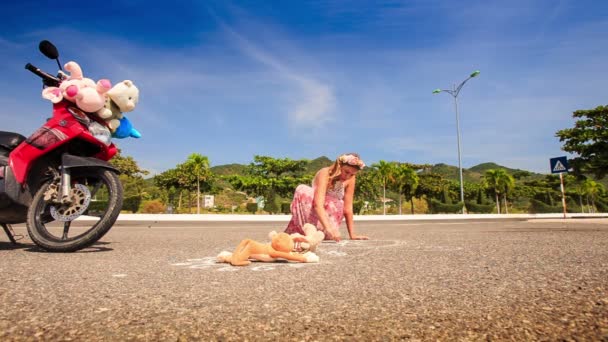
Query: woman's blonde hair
[{"x": 351, "y": 159}]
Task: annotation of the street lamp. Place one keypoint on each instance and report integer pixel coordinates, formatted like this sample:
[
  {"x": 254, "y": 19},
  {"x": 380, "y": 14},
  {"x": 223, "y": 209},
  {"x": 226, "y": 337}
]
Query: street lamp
[{"x": 454, "y": 92}]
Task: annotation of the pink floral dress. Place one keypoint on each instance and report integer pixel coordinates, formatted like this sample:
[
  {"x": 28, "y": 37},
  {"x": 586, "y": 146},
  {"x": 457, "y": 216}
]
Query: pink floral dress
[{"x": 302, "y": 208}]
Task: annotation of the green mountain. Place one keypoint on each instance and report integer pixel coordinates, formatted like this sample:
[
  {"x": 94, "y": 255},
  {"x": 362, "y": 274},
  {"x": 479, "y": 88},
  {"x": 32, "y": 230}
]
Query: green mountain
[
  {"x": 475, "y": 173},
  {"x": 317, "y": 164},
  {"x": 240, "y": 169},
  {"x": 229, "y": 169},
  {"x": 483, "y": 167},
  {"x": 451, "y": 172}
]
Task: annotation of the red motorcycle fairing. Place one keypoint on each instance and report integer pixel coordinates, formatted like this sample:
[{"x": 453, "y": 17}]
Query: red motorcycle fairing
[{"x": 58, "y": 131}]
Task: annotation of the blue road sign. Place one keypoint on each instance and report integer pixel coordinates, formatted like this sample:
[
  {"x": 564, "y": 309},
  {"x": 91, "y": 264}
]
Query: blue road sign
[{"x": 559, "y": 164}]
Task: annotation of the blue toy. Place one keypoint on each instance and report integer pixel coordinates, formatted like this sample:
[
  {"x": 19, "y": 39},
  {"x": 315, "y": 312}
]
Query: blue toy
[{"x": 126, "y": 130}]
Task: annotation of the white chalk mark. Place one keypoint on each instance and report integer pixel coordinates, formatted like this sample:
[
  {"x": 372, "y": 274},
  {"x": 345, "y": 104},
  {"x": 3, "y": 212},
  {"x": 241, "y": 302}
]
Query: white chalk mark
[
  {"x": 199, "y": 266},
  {"x": 336, "y": 253},
  {"x": 440, "y": 248},
  {"x": 331, "y": 248},
  {"x": 228, "y": 269},
  {"x": 262, "y": 268}
]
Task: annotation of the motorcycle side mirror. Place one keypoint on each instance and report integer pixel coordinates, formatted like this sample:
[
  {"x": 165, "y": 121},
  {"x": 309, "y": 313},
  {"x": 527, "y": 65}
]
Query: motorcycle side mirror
[{"x": 50, "y": 51}]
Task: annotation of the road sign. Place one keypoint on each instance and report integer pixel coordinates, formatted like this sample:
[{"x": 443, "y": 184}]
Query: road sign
[{"x": 559, "y": 164}]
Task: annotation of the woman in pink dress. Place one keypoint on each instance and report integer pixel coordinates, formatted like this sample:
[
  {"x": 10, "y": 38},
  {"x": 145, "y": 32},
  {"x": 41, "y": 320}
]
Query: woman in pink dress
[{"x": 329, "y": 200}]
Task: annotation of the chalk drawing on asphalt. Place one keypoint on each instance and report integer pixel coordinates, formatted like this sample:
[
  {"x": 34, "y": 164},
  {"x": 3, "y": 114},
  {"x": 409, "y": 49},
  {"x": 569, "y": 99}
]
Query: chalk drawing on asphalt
[
  {"x": 211, "y": 263},
  {"x": 327, "y": 251}
]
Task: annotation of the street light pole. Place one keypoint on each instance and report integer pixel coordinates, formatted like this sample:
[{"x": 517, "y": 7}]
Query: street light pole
[
  {"x": 459, "y": 152},
  {"x": 454, "y": 92}
]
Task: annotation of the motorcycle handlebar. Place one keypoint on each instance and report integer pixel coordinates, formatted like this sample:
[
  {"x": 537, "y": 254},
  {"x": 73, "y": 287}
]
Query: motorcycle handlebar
[{"x": 48, "y": 79}]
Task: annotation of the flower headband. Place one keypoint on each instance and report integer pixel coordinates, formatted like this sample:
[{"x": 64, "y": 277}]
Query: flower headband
[{"x": 351, "y": 160}]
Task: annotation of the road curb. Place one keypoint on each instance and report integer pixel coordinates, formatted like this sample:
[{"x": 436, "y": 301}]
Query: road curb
[{"x": 286, "y": 218}]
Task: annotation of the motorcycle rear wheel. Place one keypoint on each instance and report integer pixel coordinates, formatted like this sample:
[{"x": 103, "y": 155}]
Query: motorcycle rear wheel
[{"x": 53, "y": 235}]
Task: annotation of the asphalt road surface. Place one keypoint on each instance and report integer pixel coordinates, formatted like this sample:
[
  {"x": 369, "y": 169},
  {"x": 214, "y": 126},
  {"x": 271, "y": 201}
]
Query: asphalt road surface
[{"x": 466, "y": 280}]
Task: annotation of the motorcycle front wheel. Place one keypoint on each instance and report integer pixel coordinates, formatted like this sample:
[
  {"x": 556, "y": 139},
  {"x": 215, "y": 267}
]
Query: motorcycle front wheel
[{"x": 96, "y": 193}]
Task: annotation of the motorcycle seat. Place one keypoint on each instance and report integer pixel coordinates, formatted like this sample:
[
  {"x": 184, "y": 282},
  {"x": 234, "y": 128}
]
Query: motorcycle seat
[{"x": 8, "y": 141}]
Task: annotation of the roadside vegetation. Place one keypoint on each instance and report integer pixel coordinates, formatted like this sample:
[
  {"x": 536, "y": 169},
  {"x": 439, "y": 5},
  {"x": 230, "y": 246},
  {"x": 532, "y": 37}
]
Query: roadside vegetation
[{"x": 265, "y": 186}]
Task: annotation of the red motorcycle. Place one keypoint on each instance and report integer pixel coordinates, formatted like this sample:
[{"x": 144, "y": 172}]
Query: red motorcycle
[{"x": 58, "y": 174}]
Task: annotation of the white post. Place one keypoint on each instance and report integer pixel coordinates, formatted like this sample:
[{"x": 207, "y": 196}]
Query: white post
[{"x": 561, "y": 181}]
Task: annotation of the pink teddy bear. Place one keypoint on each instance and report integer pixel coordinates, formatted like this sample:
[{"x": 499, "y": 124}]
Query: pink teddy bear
[{"x": 84, "y": 92}]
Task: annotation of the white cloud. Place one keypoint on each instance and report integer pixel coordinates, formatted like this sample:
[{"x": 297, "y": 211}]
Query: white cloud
[{"x": 313, "y": 105}]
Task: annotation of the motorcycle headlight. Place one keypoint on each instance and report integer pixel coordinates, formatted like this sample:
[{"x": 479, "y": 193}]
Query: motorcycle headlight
[{"x": 100, "y": 132}]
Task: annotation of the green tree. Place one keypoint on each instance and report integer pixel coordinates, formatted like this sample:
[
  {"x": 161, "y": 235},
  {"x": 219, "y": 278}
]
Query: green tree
[
  {"x": 507, "y": 183},
  {"x": 385, "y": 170},
  {"x": 406, "y": 182},
  {"x": 170, "y": 182},
  {"x": 273, "y": 167},
  {"x": 576, "y": 186},
  {"x": 185, "y": 177},
  {"x": 132, "y": 178},
  {"x": 127, "y": 165},
  {"x": 499, "y": 182},
  {"x": 366, "y": 186},
  {"x": 270, "y": 177},
  {"x": 198, "y": 166},
  {"x": 592, "y": 189},
  {"x": 589, "y": 140},
  {"x": 431, "y": 185}
]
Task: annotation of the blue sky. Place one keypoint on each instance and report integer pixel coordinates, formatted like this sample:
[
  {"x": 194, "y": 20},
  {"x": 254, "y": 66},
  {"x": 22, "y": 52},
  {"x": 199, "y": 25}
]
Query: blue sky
[{"x": 303, "y": 79}]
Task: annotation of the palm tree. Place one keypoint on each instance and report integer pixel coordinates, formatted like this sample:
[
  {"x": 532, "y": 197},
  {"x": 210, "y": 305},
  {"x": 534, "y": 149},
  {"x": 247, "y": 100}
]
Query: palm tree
[
  {"x": 592, "y": 189},
  {"x": 407, "y": 181},
  {"x": 386, "y": 170},
  {"x": 491, "y": 181},
  {"x": 199, "y": 166},
  {"x": 500, "y": 182},
  {"x": 507, "y": 182},
  {"x": 579, "y": 189}
]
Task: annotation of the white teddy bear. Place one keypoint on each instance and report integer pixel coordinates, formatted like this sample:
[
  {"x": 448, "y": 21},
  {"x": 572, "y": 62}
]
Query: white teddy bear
[{"x": 122, "y": 98}]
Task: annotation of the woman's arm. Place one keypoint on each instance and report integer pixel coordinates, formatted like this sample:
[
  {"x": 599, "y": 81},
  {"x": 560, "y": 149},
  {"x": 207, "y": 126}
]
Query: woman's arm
[
  {"x": 322, "y": 182},
  {"x": 349, "y": 194}
]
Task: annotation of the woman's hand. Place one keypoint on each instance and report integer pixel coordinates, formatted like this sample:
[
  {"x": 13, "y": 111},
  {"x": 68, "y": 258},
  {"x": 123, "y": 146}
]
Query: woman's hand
[
  {"x": 333, "y": 235},
  {"x": 359, "y": 237}
]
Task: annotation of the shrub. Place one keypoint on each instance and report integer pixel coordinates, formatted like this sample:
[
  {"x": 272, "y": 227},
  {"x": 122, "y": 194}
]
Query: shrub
[
  {"x": 131, "y": 203},
  {"x": 286, "y": 207},
  {"x": 252, "y": 207},
  {"x": 538, "y": 207},
  {"x": 153, "y": 207},
  {"x": 272, "y": 205},
  {"x": 572, "y": 206},
  {"x": 357, "y": 207},
  {"x": 98, "y": 205},
  {"x": 437, "y": 207},
  {"x": 602, "y": 205},
  {"x": 480, "y": 208}
]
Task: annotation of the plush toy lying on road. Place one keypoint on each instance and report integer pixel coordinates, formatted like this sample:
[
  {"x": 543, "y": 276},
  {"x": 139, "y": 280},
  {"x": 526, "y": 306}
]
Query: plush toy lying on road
[
  {"x": 280, "y": 247},
  {"x": 305, "y": 243}
]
